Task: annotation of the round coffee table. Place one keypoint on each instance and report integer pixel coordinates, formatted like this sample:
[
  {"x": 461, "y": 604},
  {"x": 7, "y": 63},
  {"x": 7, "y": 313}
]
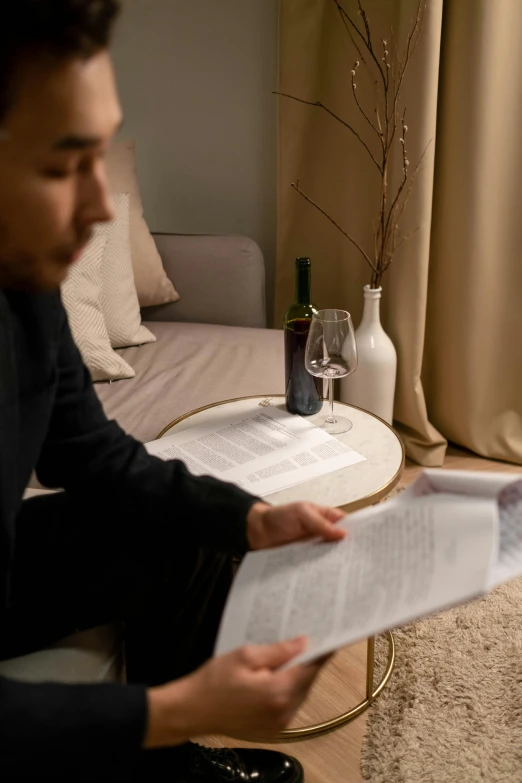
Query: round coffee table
[{"x": 351, "y": 488}]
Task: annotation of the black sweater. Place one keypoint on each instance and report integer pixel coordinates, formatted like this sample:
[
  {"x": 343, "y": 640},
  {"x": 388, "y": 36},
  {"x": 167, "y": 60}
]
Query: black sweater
[{"x": 51, "y": 421}]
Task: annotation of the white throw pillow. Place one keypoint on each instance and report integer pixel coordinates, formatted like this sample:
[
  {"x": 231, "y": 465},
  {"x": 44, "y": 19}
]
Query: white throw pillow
[
  {"x": 81, "y": 296},
  {"x": 152, "y": 284},
  {"x": 119, "y": 299}
]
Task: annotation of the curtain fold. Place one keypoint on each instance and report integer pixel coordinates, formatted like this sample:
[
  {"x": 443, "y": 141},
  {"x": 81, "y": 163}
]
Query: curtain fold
[
  {"x": 473, "y": 356},
  {"x": 452, "y": 298}
]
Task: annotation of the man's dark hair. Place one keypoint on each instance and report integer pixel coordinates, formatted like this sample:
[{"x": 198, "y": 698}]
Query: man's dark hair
[{"x": 50, "y": 29}]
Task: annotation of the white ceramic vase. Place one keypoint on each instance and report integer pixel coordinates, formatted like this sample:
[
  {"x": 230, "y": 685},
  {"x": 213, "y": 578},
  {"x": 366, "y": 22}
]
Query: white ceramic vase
[{"x": 372, "y": 385}]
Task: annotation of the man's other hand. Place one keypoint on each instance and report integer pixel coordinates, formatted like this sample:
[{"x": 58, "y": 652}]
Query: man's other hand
[
  {"x": 270, "y": 526},
  {"x": 242, "y": 694}
]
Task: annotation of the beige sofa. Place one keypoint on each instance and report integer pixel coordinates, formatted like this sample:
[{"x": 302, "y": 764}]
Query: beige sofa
[{"x": 212, "y": 345}]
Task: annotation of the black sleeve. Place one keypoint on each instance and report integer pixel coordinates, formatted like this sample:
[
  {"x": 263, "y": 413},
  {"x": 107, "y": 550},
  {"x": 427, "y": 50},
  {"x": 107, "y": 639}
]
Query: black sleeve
[
  {"x": 88, "y": 455},
  {"x": 62, "y": 730}
]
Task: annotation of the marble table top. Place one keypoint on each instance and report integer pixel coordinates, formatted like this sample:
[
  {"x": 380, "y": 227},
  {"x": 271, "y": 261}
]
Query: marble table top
[{"x": 350, "y": 488}]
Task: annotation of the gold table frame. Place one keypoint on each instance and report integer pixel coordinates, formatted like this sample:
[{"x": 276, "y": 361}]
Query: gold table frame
[{"x": 372, "y": 690}]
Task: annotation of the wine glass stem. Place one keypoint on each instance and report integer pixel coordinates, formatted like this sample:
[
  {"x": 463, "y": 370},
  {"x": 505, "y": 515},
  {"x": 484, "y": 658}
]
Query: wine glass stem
[{"x": 331, "y": 418}]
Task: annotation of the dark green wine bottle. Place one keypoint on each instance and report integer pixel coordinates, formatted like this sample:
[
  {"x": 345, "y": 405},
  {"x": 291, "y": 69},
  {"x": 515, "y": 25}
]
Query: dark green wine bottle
[{"x": 303, "y": 391}]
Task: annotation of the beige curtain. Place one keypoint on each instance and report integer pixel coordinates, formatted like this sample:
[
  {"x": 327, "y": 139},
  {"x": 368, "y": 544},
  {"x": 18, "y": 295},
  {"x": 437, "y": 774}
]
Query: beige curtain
[{"x": 452, "y": 301}]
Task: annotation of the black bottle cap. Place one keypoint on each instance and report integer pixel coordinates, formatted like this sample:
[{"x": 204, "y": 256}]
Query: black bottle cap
[{"x": 303, "y": 261}]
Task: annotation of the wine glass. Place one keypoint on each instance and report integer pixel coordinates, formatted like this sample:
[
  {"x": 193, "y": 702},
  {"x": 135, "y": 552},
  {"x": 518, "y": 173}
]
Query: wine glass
[{"x": 331, "y": 352}]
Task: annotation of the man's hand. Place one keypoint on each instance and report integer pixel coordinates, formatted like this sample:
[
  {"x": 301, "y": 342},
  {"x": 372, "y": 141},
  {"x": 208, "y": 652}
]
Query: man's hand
[
  {"x": 269, "y": 526},
  {"x": 240, "y": 694}
]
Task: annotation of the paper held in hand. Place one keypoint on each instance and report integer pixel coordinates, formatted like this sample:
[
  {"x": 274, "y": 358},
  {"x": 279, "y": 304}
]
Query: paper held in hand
[
  {"x": 451, "y": 537},
  {"x": 261, "y": 451}
]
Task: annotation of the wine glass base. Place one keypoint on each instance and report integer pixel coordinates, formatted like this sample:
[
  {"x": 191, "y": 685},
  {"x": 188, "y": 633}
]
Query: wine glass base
[{"x": 338, "y": 427}]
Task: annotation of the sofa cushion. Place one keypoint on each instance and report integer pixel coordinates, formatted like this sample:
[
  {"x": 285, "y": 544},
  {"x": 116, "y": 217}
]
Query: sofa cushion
[
  {"x": 119, "y": 299},
  {"x": 192, "y": 365},
  {"x": 90, "y": 656},
  {"x": 95, "y": 655},
  {"x": 152, "y": 283},
  {"x": 81, "y": 295}
]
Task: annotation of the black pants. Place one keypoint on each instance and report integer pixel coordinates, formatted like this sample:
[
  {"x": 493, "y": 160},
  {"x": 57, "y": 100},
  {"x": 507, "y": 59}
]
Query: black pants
[{"x": 77, "y": 567}]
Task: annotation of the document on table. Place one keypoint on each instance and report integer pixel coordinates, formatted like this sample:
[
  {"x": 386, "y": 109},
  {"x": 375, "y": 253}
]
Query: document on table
[{"x": 261, "y": 451}]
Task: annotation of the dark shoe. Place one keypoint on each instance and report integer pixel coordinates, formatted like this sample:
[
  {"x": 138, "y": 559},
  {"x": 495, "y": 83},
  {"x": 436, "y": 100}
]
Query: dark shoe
[{"x": 241, "y": 765}]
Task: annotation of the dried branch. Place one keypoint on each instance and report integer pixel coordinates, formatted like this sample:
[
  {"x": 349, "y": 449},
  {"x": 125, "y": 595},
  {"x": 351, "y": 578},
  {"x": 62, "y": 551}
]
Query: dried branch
[
  {"x": 421, "y": 9},
  {"x": 413, "y": 177},
  {"x": 320, "y": 105},
  {"x": 378, "y": 101},
  {"x": 367, "y": 43},
  {"x": 386, "y": 61},
  {"x": 407, "y": 193},
  {"x": 404, "y": 61},
  {"x": 368, "y": 120},
  {"x": 362, "y": 13},
  {"x": 394, "y": 55},
  {"x": 346, "y": 27},
  {"x": 402, "y": 241},
  {"x": 387, "y": 69},
  {"x": 397, "y": 63},
  {"x": 295, "y": 186}
]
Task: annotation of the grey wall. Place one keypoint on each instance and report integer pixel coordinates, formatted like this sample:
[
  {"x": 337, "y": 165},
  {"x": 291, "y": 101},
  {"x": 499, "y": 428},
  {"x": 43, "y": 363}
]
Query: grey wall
[{"x": 196, "y": 80}]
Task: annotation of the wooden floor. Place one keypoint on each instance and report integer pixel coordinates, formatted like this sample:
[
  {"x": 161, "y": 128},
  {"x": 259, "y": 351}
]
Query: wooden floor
[{"x": 334, "y": 758}]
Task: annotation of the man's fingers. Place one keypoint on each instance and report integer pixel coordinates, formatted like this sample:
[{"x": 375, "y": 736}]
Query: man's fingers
[
  {"x": 333, "y": 514},
  {"x": 272, "y": 656},
  {"x": 320, "y": 525}
]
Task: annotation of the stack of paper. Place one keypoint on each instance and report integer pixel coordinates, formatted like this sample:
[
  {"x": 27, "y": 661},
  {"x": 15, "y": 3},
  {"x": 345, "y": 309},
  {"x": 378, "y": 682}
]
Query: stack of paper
[
  {"x": 449, "y": 538},
  {"x": 262, "y": 451}
]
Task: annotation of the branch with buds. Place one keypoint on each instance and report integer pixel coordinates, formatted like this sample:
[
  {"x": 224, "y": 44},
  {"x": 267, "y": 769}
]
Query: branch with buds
[{"x": 386, "y": 71}]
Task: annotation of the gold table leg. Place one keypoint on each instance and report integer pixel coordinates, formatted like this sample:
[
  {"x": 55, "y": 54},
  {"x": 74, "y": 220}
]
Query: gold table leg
[
  {"x": 372, "y": 692},
  {"x": 370, "y": 667}
]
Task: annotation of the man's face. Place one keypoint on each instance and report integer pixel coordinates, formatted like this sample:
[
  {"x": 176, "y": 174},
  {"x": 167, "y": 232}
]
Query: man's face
[{"x": 52, "y": 175}]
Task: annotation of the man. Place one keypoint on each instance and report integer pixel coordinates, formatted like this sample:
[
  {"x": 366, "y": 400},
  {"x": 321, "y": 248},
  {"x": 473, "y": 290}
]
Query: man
[{"x": 131, "y": 538}]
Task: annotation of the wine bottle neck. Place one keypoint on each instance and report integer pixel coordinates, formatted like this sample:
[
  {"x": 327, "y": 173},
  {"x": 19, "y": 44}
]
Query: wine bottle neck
[{"x": 303, "y": 293}]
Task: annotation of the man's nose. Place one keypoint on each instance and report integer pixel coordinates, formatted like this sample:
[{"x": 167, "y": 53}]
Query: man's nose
[{"x": 96, "y": 203}]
